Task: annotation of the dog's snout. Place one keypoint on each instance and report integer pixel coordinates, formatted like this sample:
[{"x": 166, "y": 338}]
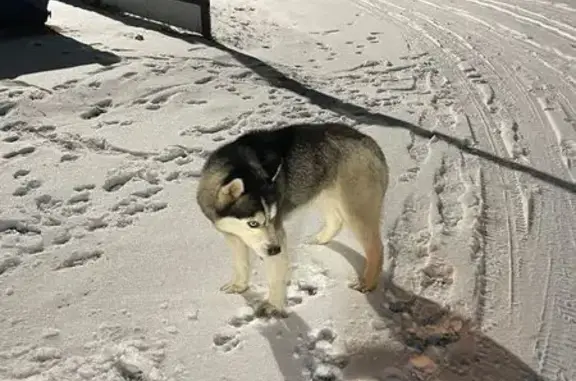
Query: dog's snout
[{"x": 274, "y": 250}]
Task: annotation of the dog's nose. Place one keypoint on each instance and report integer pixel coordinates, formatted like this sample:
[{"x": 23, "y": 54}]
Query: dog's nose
[{"x": 274, "y": 250}]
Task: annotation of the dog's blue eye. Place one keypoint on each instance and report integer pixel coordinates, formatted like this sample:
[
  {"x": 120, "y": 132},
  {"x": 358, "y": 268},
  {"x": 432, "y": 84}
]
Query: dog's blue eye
[{"x": 253, "y": 224}]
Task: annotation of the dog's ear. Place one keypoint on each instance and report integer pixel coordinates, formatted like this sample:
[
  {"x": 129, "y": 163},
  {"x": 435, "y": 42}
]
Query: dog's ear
[{"x": 231, "y": 191}]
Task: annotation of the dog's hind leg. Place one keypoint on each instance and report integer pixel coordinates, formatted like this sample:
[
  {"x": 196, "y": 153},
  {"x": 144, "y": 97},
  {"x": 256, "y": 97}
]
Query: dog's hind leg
[
  {"x": 328, "y": 204},
  {"x": 369, "y": 237},
  {"x": 241, "y": 258},
  {"x": 362, "y": 215}
]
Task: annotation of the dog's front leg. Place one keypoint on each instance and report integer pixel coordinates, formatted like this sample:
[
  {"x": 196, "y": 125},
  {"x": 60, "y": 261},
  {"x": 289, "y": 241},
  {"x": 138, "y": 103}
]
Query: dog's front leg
[
  {"x": 277, "y": 268},
  {"x": 241, "y": 258}
]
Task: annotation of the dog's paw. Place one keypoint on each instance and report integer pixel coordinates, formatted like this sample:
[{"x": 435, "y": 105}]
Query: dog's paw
[
  {"x": 234, "y": 288},
  {"x": 361, "y": 286},
  {"x": 268, "y": 310}
]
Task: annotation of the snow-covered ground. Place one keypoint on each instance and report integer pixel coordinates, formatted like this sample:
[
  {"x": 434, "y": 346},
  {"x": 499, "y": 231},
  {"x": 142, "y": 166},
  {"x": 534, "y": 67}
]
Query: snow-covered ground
[{"x": 108, "y": 271}]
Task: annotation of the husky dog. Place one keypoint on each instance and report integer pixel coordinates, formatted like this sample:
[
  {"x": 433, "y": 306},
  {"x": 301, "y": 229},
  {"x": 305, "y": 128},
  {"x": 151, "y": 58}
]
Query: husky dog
[{"x": 249, "y": 186}]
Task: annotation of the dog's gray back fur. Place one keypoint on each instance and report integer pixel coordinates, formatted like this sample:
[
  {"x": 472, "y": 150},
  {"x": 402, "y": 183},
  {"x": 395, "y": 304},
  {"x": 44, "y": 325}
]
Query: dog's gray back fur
[{"x": 307, "y": 159}]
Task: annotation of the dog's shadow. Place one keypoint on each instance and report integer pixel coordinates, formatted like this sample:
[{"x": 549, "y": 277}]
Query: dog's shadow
[
  {"x": 438, "y": 343},
  {"x": 284, "y": 336},
  {"x": 435, "y": 343}
]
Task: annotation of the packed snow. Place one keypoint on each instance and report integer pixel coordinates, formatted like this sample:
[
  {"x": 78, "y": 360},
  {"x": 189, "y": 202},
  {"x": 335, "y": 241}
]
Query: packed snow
[{"x": 108, "y": 270}]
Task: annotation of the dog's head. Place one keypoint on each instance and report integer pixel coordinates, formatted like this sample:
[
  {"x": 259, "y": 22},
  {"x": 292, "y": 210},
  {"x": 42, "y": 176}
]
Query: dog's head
[{"x": 251, "y": 213}]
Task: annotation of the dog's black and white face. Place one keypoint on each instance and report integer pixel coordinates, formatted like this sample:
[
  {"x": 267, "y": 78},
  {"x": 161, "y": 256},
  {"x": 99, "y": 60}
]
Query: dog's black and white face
[{"x": 250, "y": 216}]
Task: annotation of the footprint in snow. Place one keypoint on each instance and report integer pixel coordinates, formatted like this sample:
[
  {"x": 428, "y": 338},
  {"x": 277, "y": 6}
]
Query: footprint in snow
[
  {"x": 226, "y": 340},
  {"x": 24, "y": 151},
  {"x": 97, "y": 109}
]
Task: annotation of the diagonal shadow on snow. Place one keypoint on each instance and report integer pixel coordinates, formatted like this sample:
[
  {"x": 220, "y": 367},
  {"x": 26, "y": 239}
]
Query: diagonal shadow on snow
[{"x": 276, "y": 78}]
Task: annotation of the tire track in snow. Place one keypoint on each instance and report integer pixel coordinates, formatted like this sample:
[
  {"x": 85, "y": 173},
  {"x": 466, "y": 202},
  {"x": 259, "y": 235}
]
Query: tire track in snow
[
  {"x": 509, "y": 74},
  {"x": 564, "y": 77},
  {"x": 533, "y": 14},
  {"x": 553, "y": 343},
  {"x": 555, "y": 337},
  {"x": 565, "y": 133},
  {"x": 544, "y": 314},
  {"x": 473, "y": 223},
  {"x": 557, "y": 334},
  {"x": 519, "y": 17},
  {"x": 557, "y": 123},
  {"x": 510, "y": 228},
  {"x": 516, "y": 35},
  {"x": 548, "y": 4},
  {"x": 475, "y": 97},
  {"x": 507, "y": 127},
  {"x": 515, "y": 263},
  {"x": 529, "y": 42}
]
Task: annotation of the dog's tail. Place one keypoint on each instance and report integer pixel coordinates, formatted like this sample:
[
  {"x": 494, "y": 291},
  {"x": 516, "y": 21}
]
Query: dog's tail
[{"x": 378, "y": 160}]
